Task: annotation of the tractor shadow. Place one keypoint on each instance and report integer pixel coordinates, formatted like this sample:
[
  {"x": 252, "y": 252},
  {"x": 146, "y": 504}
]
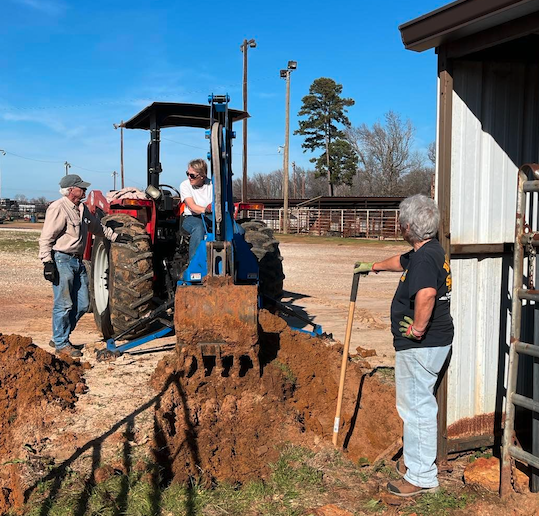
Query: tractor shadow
[
  {"x": 297, "y": 322},
  {"x": 158, "y": 474}
]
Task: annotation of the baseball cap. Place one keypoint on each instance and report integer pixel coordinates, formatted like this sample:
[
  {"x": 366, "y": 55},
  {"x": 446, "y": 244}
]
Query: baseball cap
[{"x": 73, "y": 180}]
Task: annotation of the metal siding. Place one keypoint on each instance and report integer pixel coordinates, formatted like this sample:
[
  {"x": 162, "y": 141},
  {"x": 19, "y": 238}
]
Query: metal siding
[
  {"x": 494, "y": 129},
  {"x": 474, "y": 364}
]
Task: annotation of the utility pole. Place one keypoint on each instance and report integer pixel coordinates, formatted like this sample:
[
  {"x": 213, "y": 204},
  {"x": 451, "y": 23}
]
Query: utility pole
[
  {"x": 294, "y": 179},
  {"x": 67, "y": 166},
  {"x": 121, "y": 126},
  {"x": 114, "y": 174},
  {"x": 243, "y": 47},
  {"x": 2, "y": 153},
  {"x": 285, "y": 74}
]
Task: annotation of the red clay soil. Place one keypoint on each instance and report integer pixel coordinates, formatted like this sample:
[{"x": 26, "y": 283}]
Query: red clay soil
[
  {"x": 34, "y": 386},
  {"x": 215, "y": 428}
]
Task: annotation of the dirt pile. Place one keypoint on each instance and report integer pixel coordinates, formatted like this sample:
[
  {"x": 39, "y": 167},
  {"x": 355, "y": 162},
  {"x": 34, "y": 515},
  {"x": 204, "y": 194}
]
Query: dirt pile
[
  {"x": 229, "y": 428},
  {"x": 34, "y": 387}
]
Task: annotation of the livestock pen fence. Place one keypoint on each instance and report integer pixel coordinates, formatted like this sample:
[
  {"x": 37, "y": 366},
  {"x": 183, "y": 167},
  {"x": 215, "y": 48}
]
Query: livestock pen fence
[{"x": 351, "y": 223}]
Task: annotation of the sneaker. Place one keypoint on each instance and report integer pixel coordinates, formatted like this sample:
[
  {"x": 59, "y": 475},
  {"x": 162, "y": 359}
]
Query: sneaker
[
  {"x": 404, "y": 489},
  {"x": 401, "y": 467},
  {"x": 70, "y": 351},
  {"x": 76, "y": 346}
]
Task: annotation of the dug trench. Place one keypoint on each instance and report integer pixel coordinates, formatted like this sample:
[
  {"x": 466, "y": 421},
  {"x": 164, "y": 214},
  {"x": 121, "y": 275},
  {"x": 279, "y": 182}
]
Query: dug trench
[
  {"x": 219, "y": 427},
  {"x": 205, "y": 428}
]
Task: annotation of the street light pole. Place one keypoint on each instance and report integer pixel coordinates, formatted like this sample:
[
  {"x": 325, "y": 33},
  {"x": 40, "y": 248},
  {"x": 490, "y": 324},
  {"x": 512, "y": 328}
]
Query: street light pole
[
  {"x": 2, "y": 153},
  {"x": 285, "y": 74},
  {"x": 243, "y": 47},
  {"x": 67, "y": 166},
  {"x": 121, "y": 126}
]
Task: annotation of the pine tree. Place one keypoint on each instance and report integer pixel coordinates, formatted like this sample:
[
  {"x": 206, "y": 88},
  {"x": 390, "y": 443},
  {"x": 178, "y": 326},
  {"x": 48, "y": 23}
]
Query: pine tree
[{"x": 325, "y": 108}]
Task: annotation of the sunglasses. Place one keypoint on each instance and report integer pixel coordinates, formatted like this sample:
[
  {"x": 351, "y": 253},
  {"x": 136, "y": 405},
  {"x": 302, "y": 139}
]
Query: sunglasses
[{"x": 192, "y": 176}]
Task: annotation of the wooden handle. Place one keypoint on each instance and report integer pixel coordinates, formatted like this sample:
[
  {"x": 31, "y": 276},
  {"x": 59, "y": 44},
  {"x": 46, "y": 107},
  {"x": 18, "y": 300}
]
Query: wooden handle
[{"x": 344, "y": 362}]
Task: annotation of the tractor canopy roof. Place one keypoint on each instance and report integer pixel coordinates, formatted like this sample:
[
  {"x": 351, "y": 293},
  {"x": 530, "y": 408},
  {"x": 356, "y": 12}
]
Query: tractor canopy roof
[{"x": 173, "y": 114}]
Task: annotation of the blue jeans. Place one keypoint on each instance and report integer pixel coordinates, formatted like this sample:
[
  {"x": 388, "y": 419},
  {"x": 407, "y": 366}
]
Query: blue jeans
[
  {"x": 416, "y": 373},
  {"x": 71, "y": 299},
  {"x": 195, "y": 227}
]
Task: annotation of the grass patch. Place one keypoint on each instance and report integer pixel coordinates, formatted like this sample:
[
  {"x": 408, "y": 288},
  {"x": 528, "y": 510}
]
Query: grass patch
[
  {"x": 386, "y": 374},
  {"x": 287, "y": 372},
  {"x": 293, "y": 486},
  {"x": 353, "y": 242},
  {"x": 19, "y": 241},
  {"x": 441, "y": 503},
  {"x": 482, "y": 453},
  {"x": 374, "y": 506}
]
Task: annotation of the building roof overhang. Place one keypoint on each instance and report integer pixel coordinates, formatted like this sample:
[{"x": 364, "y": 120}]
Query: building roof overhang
[{"x": 464, "y": 18}]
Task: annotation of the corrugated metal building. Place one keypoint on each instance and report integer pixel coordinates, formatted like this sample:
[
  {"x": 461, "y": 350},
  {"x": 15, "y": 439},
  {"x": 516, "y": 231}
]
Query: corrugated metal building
[{"x": 488, "y": 126}]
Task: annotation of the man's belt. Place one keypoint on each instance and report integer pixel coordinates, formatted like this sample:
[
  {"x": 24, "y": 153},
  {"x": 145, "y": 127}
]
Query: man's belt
[{"x": 73, "y": 255}]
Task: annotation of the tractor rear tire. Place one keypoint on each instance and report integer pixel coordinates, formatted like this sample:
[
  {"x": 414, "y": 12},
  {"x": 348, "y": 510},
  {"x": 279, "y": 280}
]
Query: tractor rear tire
[
  {"x": 121, "y": 277},
  {"x": 270, "y": 262}
]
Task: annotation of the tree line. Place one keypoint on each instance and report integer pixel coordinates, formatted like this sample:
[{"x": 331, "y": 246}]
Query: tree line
[{"x": 348, "y": 161}]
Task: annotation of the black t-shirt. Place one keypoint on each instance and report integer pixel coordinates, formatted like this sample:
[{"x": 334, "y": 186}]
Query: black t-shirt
[{"x": 424, "y": 268}]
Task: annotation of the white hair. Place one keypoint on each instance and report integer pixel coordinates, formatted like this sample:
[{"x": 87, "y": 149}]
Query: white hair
[
  {"x": 422, "y": 215},
  {"x": 65, "y": 191}
]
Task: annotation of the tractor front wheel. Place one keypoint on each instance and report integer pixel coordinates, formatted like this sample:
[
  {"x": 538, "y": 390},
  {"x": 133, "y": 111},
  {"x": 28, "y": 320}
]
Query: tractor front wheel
[{"x": 121, "y": 277}]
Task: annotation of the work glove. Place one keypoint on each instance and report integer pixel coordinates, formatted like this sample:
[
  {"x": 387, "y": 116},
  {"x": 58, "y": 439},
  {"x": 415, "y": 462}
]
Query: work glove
[
  {"x": 363, "y": 267},
  {"x": 123, "y": 239},
  {"x": 208, "y": 208},
  {"x": 408, "y": 331},
  {"x": 50, "y": 272}
]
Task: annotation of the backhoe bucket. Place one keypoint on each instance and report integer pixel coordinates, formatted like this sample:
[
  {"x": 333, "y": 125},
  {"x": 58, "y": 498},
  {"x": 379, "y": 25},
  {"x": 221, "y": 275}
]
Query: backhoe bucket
[{"x": 217, "y": 327}]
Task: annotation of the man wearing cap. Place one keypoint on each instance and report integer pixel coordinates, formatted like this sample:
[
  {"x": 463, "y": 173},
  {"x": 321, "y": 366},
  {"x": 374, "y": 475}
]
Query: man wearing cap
[{"x": 61, "y": 245}]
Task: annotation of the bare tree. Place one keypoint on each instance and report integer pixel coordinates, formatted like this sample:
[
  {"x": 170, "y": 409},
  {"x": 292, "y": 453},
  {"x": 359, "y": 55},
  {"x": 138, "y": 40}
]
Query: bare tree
[
  {"x": 385, "y": 154},
  {"x": 431, "y": 152},
  {"x": 417, "y": 181}
]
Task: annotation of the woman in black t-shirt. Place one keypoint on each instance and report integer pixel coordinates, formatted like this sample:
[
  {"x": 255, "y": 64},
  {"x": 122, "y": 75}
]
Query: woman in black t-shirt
[{"x": 422, "y": 330}]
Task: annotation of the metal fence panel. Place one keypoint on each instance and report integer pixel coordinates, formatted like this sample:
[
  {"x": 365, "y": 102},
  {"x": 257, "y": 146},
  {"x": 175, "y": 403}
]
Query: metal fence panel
[{"x": 363, "y": 223}]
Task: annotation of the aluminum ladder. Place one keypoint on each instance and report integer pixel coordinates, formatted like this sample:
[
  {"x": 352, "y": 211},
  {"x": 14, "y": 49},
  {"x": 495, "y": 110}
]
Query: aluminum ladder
[{"x": 526, "y": 242}]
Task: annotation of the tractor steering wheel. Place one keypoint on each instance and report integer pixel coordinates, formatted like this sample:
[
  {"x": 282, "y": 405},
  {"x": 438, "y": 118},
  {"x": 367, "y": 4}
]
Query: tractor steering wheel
[{"x": 168, "y": 186}]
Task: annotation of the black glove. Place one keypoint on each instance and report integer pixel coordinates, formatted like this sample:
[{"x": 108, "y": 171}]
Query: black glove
[
  {"x": 123, "y": 239},
  {"x": 49, "y": 271}
]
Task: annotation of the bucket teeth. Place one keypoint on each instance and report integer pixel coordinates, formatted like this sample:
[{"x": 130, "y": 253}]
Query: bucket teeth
[{"x": 217, "y": 325}]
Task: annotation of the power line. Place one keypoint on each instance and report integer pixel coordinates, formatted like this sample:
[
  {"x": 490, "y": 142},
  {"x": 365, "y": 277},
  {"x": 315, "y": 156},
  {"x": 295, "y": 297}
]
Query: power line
[
  {"x": 206, "y": 148},
  {"x": 55, "y": 162},
  {"x": 32, "y": 159}
]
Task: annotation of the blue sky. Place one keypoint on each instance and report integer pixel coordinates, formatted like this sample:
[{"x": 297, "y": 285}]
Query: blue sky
[{"x": 70, "y": 69}]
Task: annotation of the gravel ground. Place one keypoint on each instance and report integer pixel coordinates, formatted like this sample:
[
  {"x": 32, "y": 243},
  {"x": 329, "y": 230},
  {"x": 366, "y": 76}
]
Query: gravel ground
[{"x": 318, "y": 283}]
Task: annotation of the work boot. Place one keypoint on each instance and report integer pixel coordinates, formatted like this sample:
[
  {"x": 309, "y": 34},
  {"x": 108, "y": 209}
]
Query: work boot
[
  {"x": 70, "y": 351},
  {"x": 401, "y": 467},
  {"x": 405, "y": 489},
  {"x": 76, "y": 346}
]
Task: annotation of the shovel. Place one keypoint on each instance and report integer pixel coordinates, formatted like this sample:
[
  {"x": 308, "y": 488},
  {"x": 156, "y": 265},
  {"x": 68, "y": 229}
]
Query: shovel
[{"x": 353, "y": 297}]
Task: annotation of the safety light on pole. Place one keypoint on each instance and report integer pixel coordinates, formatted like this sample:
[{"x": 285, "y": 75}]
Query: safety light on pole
[{"x": 285, "y": 74}]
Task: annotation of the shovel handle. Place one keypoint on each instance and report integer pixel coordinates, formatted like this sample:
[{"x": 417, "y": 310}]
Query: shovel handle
[{"x": 347, "y": 338}]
